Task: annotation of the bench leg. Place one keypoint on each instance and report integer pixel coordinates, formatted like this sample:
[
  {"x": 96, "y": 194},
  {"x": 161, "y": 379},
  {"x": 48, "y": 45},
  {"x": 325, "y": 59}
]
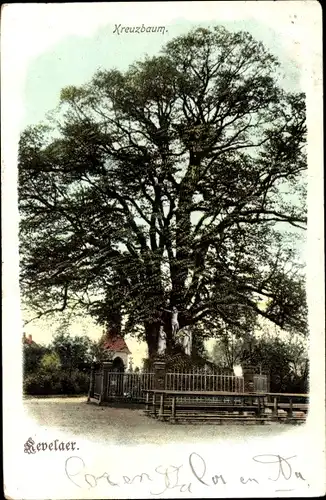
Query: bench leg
[
  {"x": 154, "y": 404},
  {"x": 259, "y": 411},
  {"x": 290, "y": 412},
  {"x": 147, "y": 403},
  {"x": 161, "y": 412},
  {"x": 173, "y": 419},
  {"x": 275, "y": 409}
]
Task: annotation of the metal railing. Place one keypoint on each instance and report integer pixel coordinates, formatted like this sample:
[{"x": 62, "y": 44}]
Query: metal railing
[
  {"x": 199, "y": 380},
  {"x": 129, "y": 385},
  {"x": 203, "y": 381}
]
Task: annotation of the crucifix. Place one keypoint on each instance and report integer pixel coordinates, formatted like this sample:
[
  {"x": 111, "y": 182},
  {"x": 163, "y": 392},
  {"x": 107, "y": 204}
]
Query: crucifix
[{"x": 174, "y": 319}]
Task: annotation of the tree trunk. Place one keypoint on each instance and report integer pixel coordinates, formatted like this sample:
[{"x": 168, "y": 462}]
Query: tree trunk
[
  {"x": 152, "y": 335},
  {"x": 152, "y": 332},
  {"x": 183, "y": 233},
  {"x": 169, "y": 337}
]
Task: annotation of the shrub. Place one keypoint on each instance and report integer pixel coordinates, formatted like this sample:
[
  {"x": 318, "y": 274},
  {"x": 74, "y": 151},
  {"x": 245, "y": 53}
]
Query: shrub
[
  {"x": 50, "y": 362},
  {"x": 53, "y": 382},
  {"x": 32, "y": 355},
  {"x": 75, "y": 383},
  {"x": 42, "y": 383}
]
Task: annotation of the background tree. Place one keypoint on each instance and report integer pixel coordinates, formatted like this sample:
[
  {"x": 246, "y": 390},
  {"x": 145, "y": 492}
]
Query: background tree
[
  {"x": 74, "y": 352},
  {"x": 169, "y": 184},
  {"x": 97, "y": 352},
  {"x": 50, "y": 362},
  {"x": 227, "y": 351},
  {"x": 32, "y": 355},
  {"x": 61, "y": 367},
  {"x": 284, "y": 359}
]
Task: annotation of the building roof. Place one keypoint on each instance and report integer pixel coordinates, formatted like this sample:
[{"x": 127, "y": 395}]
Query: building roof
[
  {"x": 116, "y": 344},
  {"x": 28, "y": 340}
]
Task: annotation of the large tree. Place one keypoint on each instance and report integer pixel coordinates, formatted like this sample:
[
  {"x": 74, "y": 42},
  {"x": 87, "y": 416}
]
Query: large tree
[{"x": 172, "y": 183}]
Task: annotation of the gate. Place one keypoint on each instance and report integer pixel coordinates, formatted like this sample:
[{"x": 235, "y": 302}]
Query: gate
[{"x": 98, "y": 380}]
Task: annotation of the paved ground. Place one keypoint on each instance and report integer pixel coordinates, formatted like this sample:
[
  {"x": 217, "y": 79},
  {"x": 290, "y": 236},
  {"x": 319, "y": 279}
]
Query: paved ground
[{"x": 130, "y": 426}]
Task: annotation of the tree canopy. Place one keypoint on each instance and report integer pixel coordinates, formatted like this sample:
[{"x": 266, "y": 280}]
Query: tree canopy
[
  {"x": 174, "y": 183},
  {"x": 285, "y": 359}
]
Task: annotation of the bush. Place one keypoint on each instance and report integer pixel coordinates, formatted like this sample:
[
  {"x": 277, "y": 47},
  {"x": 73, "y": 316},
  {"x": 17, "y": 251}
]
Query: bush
[
  {"x": 32, "y": 355},
  {"x": 289, "y": 384},
  {"x": 44, "y": 383},
  {"x": 76, "y": 383},
  {"x": 50, "y": 362}
]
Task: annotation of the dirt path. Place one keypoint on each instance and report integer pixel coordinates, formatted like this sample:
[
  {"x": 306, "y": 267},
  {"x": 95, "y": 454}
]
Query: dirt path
[{"x": 130, "y": 426}]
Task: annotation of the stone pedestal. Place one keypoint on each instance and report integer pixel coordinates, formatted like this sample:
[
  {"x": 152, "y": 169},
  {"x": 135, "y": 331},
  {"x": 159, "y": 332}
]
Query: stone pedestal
[
  {"x": 159, "y": 374},
  {"x": 159, "y": 383}
]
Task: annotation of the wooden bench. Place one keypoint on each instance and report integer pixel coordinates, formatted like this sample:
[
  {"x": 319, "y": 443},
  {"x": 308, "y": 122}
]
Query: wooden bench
[
  {"x": 172, "y": 407},
  {"x": 214, "y": 406},
  {"x": 288, "y": 407}
]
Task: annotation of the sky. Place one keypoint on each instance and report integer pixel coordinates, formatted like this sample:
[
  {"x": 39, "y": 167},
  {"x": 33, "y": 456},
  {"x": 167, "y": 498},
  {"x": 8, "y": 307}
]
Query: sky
[
  {"x": 75, "y": 59},
  {"x": 65, "y": 44}
]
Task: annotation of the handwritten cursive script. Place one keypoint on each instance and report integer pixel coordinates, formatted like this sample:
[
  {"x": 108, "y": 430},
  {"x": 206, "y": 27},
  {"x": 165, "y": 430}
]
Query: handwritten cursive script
[{"x": 183, "y": 478}]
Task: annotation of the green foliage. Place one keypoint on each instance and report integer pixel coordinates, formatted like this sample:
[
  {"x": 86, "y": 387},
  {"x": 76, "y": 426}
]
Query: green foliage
[
  {"x": 97, "y": 353},
  {"x": 284, "y": 359},
  {"x": 170, "y": 184},
  {"x": 227, "y": 351},
  {"x": 72, "y": 351},
  {"x": 62, "y": 367},
  {"x": 56, "y": 382},
  {"x": 50, "y": 362},
  {"x": 32, "y": 355}
]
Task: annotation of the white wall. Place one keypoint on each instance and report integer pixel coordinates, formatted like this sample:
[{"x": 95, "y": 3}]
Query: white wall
[{"x": 123, "y": 356}]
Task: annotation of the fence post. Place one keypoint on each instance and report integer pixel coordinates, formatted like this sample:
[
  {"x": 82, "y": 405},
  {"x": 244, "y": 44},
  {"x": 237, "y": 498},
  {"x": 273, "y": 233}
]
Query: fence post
[
  {"x": 91, "y": 384},
  {"x": 248, "y": 377},
  {"x": 159, "y": 384},
  {"x": 106, "y": 368},
  {"x": 159, "y": 375},
  {"x": 275, "y": 408}
]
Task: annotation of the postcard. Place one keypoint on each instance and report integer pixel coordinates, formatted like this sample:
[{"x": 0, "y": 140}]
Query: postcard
[{"x": 163, "y": 257}]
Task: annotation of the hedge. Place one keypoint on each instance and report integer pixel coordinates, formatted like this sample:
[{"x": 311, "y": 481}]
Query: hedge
[{"x": 56, "y": 382}]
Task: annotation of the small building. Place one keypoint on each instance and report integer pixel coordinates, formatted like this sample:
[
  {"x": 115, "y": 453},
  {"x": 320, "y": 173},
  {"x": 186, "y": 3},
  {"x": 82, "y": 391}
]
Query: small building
[
  {"x": 28, "y": 340},
  {"x": 119, "y": 352}
]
